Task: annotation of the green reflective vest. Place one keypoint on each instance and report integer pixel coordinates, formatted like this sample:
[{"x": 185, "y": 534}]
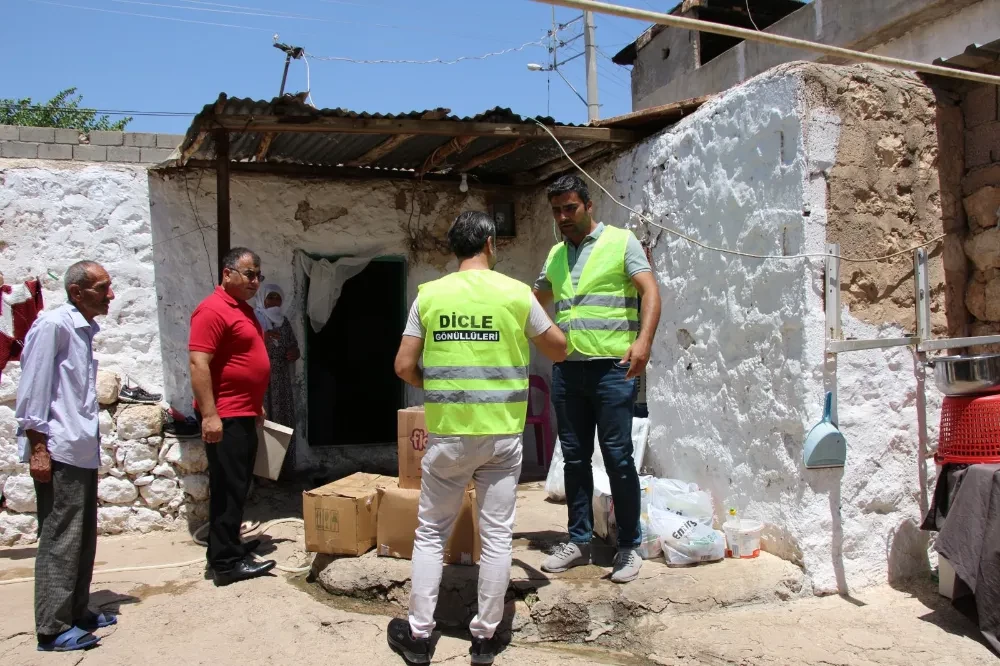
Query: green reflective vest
[
  {"x": 475, "y": 353},
  {"x": 600, "y": 317}
]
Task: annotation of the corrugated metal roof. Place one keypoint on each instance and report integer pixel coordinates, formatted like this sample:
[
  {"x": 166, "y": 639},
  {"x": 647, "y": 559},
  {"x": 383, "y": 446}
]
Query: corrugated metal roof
[
  {"x": 975, "y": 56},
  {"x": 289, "y": 132}
]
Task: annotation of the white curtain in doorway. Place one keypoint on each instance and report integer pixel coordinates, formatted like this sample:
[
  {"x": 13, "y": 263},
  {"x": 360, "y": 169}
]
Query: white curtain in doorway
[{"x": 326, "y": 282}]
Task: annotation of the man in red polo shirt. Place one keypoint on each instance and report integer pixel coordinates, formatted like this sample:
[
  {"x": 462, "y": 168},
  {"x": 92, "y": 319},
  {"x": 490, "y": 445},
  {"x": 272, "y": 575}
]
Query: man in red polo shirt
[{"x": 229, "y": 375}]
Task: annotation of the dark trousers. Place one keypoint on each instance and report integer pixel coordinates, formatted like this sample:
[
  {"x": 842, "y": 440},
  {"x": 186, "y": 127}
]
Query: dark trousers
[
  {"x": 67, "y": 545},
  {"x": 230, "y": 469},
  {"x": 589, "y": 395}
]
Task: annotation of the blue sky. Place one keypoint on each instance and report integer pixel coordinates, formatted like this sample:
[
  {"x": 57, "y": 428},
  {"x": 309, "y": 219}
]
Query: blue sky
[{"x": 120, "y": 60}]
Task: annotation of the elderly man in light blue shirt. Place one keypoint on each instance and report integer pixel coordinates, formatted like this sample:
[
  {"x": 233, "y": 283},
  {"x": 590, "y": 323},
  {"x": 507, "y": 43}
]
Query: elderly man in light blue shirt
[{"x": 58, "y": 432}]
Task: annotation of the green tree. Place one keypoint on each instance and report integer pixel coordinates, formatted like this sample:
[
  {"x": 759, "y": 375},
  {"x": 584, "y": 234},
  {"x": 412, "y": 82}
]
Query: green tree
[{"x": 61, "y": 111}]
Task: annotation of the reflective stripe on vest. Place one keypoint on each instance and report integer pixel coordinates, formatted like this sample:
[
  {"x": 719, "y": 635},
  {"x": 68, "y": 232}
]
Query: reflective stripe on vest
[
  {"x": 597, "y": 300},
  {"x": 600, "y": 315},
  {"x": 475, "y": 353}
]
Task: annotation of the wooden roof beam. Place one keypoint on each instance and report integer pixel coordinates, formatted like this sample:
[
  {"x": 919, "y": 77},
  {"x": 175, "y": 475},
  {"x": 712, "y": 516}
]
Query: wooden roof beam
[
  {"x": 331, "y": 125},
  {"x": 491, "y": 155},
  {"x": 393, "y": 142},
  {"x": 549, "y": 169},
  {"x": 442, "y": 153}
]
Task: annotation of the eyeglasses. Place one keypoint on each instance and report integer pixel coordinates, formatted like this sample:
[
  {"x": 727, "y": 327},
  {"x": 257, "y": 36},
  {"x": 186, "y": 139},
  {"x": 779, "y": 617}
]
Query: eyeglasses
[{"x": 252, "y": 275}]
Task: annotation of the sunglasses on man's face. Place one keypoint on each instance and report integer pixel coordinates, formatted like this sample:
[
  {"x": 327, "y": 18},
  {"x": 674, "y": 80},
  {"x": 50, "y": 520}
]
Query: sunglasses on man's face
[{"x": 252, "y": 275}]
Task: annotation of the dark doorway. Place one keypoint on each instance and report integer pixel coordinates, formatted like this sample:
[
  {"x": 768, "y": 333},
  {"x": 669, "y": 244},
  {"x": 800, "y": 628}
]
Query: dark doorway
[{"x": 353, "y": 390}]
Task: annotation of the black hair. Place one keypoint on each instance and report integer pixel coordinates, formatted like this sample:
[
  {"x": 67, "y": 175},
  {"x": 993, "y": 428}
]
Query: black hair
[{"x": 468, "y": 235}]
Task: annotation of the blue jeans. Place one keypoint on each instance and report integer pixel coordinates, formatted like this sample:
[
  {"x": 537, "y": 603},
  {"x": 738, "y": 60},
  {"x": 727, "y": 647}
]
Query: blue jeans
[{"x": 589, "y": 394}]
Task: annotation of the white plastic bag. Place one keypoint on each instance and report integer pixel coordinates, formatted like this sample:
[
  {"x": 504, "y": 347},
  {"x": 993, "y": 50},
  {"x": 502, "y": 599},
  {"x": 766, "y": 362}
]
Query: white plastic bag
[
  {"x": 555, "y": 483},
  {"x": 606, "y": 526},
  {"x": 686, "y": 540},
  {"x": 705, "y": 550},
  {"x": 683, "y": 498}
]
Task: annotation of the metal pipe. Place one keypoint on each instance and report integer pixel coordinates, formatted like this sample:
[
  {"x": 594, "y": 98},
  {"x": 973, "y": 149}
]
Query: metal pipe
[
  {"x": 222, "y": 232},
  {"x": 769, "y": 38}
]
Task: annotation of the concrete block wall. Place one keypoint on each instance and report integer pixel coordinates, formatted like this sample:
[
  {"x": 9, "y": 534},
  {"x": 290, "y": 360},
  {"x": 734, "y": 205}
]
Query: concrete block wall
[{"x": 47, "y": 143}]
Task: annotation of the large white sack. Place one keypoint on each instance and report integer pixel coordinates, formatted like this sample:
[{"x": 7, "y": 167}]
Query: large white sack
[{"x": 555, "y": 483}]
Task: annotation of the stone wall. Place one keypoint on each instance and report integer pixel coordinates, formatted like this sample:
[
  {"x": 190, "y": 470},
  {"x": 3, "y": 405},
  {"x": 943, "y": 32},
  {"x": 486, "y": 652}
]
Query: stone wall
[
  {"x": 146, "y": 481},
  {"x": 981, "y": 192},
  {"x": 47, "y": 143},
  {"x": 739, "y": 371}
]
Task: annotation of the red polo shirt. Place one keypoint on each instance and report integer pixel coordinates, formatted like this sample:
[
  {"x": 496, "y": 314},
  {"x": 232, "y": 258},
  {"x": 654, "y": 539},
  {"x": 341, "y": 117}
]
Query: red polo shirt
[{"x": 228, "y": 329}]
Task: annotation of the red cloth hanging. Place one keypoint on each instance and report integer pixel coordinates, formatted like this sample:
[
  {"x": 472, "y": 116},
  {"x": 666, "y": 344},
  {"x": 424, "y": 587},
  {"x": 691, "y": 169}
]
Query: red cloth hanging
[{"x": 18, "y": 310}]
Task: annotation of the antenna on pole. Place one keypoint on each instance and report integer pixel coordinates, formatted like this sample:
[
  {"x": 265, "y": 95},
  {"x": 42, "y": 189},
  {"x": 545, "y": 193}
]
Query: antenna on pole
[{"x": 296, "y": 52}]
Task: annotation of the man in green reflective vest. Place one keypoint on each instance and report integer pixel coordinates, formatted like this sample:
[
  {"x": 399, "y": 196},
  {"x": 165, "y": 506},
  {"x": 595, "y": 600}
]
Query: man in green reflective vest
[
  {"x": 471, "y": 329},
  {"x": 595, "y": 278}
]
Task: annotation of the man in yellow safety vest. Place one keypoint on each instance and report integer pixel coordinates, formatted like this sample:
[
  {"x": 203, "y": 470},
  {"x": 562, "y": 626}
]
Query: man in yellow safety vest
[
  {"x": 471, "y": 329},
  {"x": 595, "y": 278}
]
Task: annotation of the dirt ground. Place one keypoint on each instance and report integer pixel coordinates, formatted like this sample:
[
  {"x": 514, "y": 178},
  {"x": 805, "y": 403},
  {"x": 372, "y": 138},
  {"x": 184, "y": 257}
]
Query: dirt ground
[{"x": 176, "y": 615}]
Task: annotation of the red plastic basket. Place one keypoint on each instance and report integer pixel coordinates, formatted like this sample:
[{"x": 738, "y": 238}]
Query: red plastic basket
[{"x": 970, "y": 430}]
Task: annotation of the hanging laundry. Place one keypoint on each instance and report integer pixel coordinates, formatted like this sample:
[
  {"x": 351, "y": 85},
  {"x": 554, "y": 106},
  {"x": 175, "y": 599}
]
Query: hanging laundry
[{"x": 19, "y": 307}]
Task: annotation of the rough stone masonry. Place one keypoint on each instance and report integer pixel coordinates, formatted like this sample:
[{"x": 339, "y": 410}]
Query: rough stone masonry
[{"x": 148, "y": 481}]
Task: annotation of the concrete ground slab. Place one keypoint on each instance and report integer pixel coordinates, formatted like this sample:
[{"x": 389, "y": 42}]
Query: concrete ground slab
[{"x": 581, "y": 605}]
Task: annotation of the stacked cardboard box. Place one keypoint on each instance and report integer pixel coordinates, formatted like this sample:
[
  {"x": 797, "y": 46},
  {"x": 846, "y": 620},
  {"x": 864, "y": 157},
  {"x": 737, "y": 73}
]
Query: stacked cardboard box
[{"x": 363, "y": 511}]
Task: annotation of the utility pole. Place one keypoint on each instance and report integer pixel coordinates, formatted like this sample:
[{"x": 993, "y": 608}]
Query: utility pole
[{"x": 590, "y": 49}]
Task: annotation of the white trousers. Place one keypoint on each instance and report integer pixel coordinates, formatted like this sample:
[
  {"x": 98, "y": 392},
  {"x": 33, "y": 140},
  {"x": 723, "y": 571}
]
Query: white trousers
[{"x": 494, "y": 462}]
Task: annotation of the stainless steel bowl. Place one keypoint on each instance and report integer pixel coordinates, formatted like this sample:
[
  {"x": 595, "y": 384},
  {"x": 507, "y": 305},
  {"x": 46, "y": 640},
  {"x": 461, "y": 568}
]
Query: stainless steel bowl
[{"x": 967, "y": 375}]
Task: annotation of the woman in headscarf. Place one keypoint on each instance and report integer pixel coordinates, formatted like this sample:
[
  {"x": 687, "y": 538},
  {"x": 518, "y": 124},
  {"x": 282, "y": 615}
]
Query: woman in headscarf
[{"x": 282, "y": 349}]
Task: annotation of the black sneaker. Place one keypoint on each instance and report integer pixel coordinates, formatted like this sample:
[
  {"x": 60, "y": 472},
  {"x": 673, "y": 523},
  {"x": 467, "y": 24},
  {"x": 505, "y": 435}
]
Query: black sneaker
[
  {"x": 414, "y": 650},
  {"x": 484, "y": 650},
  {"x": 186, "y": 429},
  {"x": 138, "y": 395}
]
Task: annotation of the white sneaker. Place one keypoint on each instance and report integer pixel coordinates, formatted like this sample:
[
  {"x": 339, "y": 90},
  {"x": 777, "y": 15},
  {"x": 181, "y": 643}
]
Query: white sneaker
[
  {"x": 566, "y": 556},
  {"x": 626, "y": 566}
]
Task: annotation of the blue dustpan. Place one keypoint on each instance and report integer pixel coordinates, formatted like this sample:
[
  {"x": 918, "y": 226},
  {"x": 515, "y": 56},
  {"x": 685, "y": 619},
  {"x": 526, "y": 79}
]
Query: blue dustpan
[{"x": 825, "y": 445}]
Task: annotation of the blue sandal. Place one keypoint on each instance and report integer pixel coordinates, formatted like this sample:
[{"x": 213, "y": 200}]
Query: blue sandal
[
  {"x": 71, "y": 639},
  {"x": 97, "y": 621}
]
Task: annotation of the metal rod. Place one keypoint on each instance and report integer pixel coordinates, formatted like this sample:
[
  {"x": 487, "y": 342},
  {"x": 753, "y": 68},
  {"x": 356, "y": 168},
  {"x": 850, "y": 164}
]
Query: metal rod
[
  {"x": 921, "y": 284},
  {"x": 590, "y": 48},
  {"x": 222, "y": 196},
  {"x": 833, "y": 291},
  {"x": 841, "y": 346},
  {"x": 769, "y": 38},
  {"x": 284, "y": 75},
  {"x": 957, "y": 343}
]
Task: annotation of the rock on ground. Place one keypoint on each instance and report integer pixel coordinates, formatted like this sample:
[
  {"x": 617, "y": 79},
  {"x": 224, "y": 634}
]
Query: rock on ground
[{"x": 113, "y": 519}]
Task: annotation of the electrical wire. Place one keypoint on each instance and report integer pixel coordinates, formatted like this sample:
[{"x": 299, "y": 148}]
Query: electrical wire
[
  {"x": 750, "y": 16},
  {"x": 152, "y": 16},
  {"x": 243, "y": 12},
  {"x": 433, "y": 61},
  {"x": 103, "y": 112},
  {"x": 722, "y": 250},
  {"x": 199, "y": 560}
]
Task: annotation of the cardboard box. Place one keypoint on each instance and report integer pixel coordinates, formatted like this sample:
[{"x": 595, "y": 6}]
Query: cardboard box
[
  {"x": 340, "y": 517},
  {"x": 411, "y": 445},
  {"x": 397, "y": 524},
  {"x": 411, "y": 436}
]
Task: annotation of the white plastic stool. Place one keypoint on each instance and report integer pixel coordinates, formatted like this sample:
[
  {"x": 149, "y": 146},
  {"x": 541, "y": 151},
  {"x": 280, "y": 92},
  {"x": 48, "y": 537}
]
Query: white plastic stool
[{"x": 946, "y": 578}]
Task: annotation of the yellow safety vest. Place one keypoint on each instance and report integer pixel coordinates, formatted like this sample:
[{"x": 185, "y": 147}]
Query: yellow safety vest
[
  {"x": 475, "y": 353},
  {"x": 601, "y": 316}
]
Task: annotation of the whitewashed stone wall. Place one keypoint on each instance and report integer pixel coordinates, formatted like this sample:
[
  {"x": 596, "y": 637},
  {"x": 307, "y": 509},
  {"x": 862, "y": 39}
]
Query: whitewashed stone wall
[
  {"x": 737, "y": 375},
  {"x": 51, "y": 215},
  {"x": 146, "y": 481},
  {"x": 277, "y": 216}
]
